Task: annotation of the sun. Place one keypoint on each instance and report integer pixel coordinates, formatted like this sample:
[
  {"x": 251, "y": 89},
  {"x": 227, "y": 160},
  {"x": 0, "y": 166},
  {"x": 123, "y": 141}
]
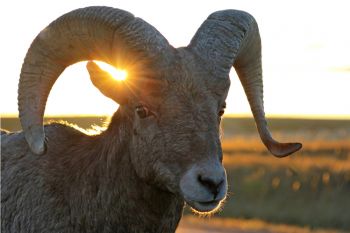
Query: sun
[{"x": 117, "y": 74}]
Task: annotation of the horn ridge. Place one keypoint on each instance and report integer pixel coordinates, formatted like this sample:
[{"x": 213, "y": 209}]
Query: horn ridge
[
  {"x": 231, "y": 38},
  {"x": 91, "y": 33}
]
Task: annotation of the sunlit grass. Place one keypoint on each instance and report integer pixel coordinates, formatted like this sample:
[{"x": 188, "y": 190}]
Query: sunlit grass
[
  {"x": 308, "y": 188},
  {"x": 191, "y": 224},
  {"x": 117, "y": 74},
  {"x": 255, "y": 145},
  {"x": 301, "y": 163}
]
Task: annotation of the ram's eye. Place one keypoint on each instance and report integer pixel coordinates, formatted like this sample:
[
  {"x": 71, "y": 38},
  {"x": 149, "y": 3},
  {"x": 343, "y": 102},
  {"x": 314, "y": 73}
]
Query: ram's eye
[
  {"x": 221, "y": 112},
  {"x": 142, "y": 111}
]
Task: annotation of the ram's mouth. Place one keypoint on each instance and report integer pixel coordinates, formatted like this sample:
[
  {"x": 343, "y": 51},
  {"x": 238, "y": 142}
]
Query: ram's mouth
[{"x": 205, "y": 206}]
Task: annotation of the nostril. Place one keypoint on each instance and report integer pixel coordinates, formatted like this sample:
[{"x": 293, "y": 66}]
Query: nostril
[{"x": 210, "y": 184}]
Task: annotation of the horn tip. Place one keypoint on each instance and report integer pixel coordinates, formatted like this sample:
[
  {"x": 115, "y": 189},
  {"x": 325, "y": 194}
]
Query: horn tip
[
  {"x": 281, "y": 150},
  {"x": 38, "y": 147},
  {"x": 36, "y": 140}
]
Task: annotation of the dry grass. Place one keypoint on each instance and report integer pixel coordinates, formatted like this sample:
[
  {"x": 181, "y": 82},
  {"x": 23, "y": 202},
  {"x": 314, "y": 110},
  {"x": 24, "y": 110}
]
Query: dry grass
[
  {"x": 301, "y": 164},
  {"x": 255, "y": 145},
  {"x": 194, "y": 224}
]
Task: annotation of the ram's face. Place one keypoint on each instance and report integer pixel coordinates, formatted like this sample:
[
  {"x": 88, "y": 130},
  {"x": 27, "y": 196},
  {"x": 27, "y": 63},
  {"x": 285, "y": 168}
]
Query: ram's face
[{"x": 176, "y": 136}]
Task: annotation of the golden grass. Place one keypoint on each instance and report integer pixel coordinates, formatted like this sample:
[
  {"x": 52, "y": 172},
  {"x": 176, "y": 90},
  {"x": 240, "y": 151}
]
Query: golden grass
[
  {"x": 243, "y": 143},
  {"x": 298, "y": 163},
  {"x": 242, "y": 225},
  {"x": 324, "y": 154}
]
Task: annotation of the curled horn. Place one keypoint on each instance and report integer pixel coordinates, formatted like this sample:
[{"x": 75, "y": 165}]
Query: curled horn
[
  {"x": 92, "y": 33},
  {"x": 231, "y": 38}
]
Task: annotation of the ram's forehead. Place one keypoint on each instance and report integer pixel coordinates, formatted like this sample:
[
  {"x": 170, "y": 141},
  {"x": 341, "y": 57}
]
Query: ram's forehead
[
  {"x": 188, "y": 112},
  {"x": 191, "y": 76},
  {"x": 188, "y": 97},
  {"x": 184, "y": 79}
]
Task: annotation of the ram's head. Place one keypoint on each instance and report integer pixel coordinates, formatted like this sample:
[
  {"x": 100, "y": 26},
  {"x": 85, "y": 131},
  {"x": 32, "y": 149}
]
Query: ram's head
[{"x": 173, "y": 98}]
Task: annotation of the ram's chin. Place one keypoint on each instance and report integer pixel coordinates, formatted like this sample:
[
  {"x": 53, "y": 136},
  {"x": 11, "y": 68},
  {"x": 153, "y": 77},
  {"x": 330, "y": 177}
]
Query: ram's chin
[{"x": 205, "y": 208}]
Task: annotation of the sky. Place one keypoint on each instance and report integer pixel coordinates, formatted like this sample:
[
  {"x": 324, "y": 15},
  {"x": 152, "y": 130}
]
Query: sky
[{"x": 306, "y": 52}]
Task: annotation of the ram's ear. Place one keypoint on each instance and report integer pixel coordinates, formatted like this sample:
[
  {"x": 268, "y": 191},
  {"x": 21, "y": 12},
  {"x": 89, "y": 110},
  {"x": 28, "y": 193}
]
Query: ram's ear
[{"x": 110, "y": 87}]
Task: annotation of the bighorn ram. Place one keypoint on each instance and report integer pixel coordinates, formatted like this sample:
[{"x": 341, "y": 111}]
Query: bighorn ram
[{"x": 162, "y": 147}]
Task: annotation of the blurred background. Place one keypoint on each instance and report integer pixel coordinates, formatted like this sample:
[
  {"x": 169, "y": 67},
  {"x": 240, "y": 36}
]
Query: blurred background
[{"x": 306, "y": 61}]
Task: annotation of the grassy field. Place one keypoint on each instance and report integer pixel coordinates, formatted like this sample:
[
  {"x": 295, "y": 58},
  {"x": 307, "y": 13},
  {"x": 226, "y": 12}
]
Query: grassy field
[
  {"x": 193, "y": 224},
  {"x": 310, "y": 188}
]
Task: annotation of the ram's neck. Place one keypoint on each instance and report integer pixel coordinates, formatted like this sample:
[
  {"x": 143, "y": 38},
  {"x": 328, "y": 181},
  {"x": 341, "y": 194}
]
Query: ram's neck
[{"x": 109, "y": 184}]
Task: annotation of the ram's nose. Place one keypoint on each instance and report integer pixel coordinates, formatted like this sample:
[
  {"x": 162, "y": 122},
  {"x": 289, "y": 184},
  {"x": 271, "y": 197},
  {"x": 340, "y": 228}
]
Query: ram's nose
[
  {"x": 204, "y": 186},
  {"x": 212, "y": 183}
]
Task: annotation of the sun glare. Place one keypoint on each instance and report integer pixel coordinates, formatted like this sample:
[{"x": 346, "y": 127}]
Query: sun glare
[{"x": 117, "y": 74}]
